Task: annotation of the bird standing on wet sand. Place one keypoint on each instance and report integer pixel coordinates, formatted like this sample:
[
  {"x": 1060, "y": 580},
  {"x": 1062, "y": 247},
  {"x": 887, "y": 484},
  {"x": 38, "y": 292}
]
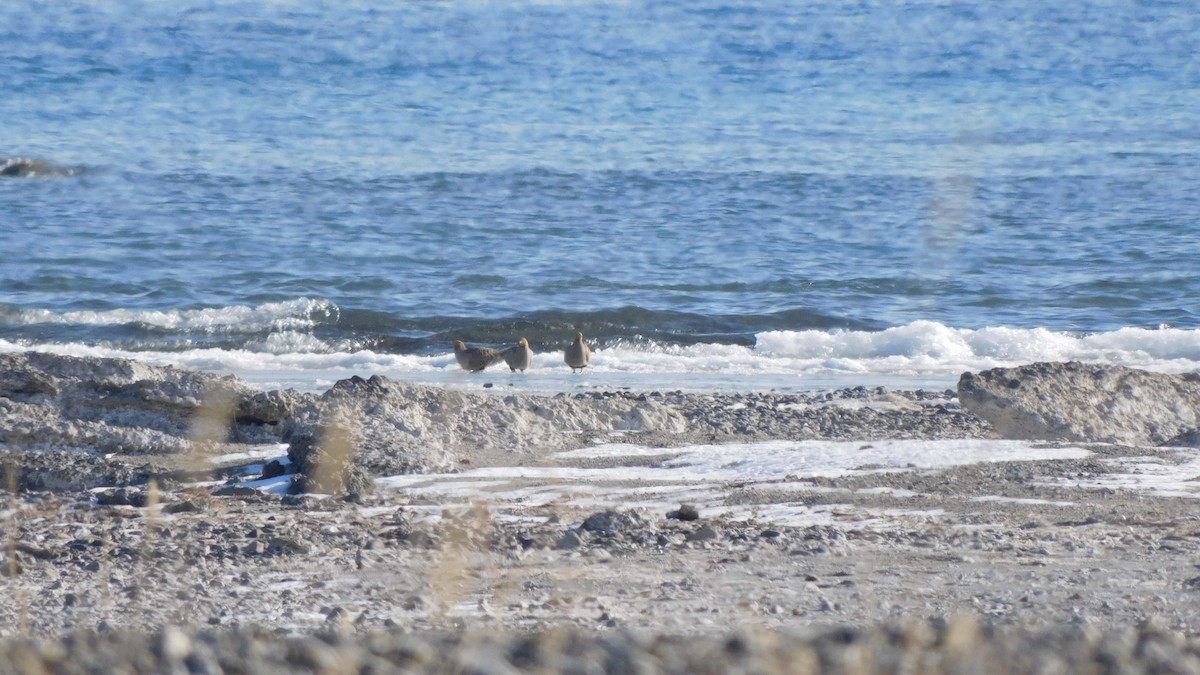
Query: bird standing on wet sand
[
  {"x": 518, "y": 356},
  {"x": 474, "y": 359},
  {"x": 578, "y": 355}
]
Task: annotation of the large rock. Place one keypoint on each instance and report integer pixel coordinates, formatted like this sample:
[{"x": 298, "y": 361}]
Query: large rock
[
  {"x": 389, "y": 427},
  {"x": 1084, "y": 402},
  {"x": 50, "y": 401},
  {"x": 359, "y": 428}
]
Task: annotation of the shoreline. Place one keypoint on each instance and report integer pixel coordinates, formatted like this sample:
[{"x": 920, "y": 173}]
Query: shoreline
[{"x": 519, "y": 544}]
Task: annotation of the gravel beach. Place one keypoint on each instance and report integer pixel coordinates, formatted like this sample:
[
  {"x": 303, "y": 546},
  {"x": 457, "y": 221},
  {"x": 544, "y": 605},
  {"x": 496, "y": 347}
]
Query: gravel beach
[{"x": 144, "y": 560}]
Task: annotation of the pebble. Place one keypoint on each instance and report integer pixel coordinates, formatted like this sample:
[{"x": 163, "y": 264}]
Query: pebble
[
  {"x": 685, "y": 512},
  {"x": 569, "y": 541}
]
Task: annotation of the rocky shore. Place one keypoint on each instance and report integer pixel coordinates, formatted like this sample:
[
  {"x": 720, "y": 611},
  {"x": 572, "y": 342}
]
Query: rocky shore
[{"x": 159, "y": 520}]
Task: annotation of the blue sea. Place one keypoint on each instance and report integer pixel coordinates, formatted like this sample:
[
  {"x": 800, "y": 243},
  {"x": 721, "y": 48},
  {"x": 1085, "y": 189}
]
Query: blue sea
[{"x": 722, "y": 196}]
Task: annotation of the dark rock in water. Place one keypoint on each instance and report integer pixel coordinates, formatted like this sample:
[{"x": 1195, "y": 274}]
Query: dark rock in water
[
  {"x": 24, "y": 166},
  {"x": 1083, "y": 402}
]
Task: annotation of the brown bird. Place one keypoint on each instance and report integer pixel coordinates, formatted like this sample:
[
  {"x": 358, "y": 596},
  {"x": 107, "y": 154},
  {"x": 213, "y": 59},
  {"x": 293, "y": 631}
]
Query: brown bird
[
  {"x": 578, "y": 355},
  {"x": 474, "y": 359},
  {"x": 518, "y": 356}
]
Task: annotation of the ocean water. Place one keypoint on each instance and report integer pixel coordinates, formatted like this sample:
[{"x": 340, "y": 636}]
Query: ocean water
[{"x": 766, "y": 195}]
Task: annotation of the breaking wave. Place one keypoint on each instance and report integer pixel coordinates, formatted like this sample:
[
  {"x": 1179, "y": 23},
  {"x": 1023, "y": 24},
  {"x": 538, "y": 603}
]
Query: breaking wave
[{"x": 922, "y": 352}]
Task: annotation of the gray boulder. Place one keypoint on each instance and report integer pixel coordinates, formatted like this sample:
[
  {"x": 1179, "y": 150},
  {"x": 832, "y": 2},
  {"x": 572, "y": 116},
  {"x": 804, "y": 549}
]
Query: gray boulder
[
  {"x": 1084, "y": 402},
  {"x": 49, "y": 401},
  {"x": 121, "y": 410},
  {"x": 391, "y": 427},
  {"x": 1188, "y": 439}
]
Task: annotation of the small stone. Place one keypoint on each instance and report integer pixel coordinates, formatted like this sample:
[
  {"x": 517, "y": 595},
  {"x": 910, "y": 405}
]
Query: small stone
[
  {"x": 608, "y": 522},
  {"x": 289, "y": 545},
  {"x": 569, "y": 541},
  {"x": 415, "y": 602},
  {"x": 273, "y": 469},
  {"x": 174, "y": 645},
  {"x": 685, "y": 512},
  {"x": 600, "y": 555},
  {"x": 121, "y": 497},
  {"x": 235, "y": 491},
  {"x": 703, "y": 533},
  {"x": 186, "y": 506}
]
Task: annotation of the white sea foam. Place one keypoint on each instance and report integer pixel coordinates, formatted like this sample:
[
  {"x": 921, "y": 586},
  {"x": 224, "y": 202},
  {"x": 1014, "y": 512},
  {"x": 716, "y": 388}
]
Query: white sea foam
[
  {"x": 297, "y": 314},
  {"x": 921, "y": 354},
  {"x": 928, "y": 346}
]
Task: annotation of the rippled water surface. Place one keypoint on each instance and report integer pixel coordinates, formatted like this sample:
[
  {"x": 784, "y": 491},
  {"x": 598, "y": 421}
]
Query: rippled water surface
[{"x": 667, "y": 173}]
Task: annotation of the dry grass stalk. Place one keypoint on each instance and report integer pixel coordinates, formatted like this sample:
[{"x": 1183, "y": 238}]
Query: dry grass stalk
[
  {"x": 449, "y": 577},
  {"x": 11, "y": 543},
  {"x": 210, "y": 427},
  {"x": 330, "y": 471},
  {"x": 14, "y": 567},
  {"x": 151, "y": 524}
]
